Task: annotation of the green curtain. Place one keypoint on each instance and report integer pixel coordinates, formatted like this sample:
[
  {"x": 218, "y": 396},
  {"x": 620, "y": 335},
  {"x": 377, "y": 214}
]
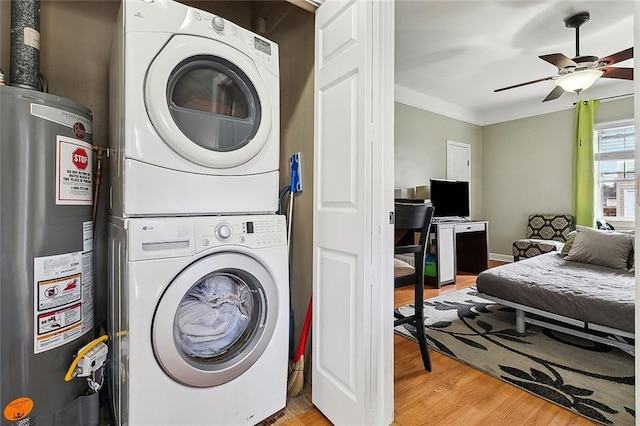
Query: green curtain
[{"x": 583, "y": 167}]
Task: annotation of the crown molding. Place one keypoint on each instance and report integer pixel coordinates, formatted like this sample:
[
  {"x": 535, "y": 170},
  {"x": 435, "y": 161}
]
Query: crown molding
[
  {"x": 527, "y": 108},
  {"x": 419, "y": 100}
]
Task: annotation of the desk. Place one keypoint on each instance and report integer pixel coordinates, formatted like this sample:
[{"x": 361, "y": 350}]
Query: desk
[{"x": 458, "y": 247}]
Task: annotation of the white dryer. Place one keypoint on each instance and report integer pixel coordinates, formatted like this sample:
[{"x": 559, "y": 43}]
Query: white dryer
[
  {"x": 195, "y": 114},
  {"x": 198, "y": 319}
]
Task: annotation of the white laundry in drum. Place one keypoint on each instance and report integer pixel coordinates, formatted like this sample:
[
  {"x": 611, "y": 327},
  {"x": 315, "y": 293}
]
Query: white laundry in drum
[{"x": 213, "y": 316}]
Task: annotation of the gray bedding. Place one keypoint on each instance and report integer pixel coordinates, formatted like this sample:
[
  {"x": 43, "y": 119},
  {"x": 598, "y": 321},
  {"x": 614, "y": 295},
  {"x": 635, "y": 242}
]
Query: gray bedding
[{"x": 582, "y": 291}]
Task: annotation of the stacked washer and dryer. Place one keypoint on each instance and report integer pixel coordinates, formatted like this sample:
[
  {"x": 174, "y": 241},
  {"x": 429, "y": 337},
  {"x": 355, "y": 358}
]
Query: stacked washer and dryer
[{"x": 198, "y": 315}]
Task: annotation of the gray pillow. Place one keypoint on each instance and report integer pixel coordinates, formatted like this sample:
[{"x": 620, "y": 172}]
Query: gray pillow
[
  {"x": 631, "y": 261},
  {"x": 599, "y": 247}
]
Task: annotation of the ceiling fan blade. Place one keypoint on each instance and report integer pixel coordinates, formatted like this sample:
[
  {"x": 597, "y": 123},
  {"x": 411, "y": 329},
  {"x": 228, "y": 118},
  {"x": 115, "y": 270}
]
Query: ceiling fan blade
[
  {"x": 554, "y": 94},
  {"x": 559, "y": 60},
  {"x": 523, "y": 84},
  {"x": 622, "y": 73},
  {"x": 618, "y": 57}
]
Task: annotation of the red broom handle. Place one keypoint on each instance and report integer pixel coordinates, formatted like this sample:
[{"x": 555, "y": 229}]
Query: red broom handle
[{"x": 305, "y": 332}]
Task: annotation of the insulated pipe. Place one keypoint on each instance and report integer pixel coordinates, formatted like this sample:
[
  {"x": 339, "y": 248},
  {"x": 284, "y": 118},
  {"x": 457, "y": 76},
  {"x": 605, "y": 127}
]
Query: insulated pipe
[{"x": 25, "y": 43}]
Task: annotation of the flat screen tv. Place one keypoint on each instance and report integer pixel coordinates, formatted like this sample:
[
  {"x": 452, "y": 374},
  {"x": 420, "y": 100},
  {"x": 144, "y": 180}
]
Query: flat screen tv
[{"x": 450, "y": 198}]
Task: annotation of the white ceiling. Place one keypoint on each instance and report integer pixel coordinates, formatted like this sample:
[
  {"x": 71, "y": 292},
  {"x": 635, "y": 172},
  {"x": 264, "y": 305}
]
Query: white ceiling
[{"x": 452, "y": 55}]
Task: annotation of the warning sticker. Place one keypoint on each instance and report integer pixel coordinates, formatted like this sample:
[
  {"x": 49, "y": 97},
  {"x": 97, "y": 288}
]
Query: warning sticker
[
  {"x": 52, "y": 321},
  {"x": 74, "y": 172},
  {"x": 60, "y": 297},
  {"x": 59, "y": 292},
  {"x": 58, "y": 338},
  {"x": 18, "y": 409}
]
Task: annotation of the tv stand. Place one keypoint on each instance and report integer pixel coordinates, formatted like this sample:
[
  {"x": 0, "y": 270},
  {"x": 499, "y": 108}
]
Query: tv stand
[{"x": 459, "y": 246}]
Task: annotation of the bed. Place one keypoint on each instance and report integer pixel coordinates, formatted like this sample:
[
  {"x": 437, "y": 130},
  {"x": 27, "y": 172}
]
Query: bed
[{"x": 568, "y": 292}]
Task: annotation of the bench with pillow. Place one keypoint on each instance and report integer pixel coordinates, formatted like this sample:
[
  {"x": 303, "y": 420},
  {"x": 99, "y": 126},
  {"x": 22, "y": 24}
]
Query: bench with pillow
[{"x": 586, "y": 289}]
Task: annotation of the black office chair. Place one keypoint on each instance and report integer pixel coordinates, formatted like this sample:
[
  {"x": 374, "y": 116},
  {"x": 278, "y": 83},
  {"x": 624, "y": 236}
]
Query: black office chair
[{"x": 413, "y": 218}]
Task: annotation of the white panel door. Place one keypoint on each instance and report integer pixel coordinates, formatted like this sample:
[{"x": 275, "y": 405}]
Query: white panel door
[
  {"x": 458, "y": 161},
  {"x": 353, "y": 195}
]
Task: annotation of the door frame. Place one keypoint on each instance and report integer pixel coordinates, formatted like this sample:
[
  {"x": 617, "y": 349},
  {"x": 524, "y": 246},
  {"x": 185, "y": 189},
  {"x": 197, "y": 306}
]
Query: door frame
[{"x": 459, "y": 145}]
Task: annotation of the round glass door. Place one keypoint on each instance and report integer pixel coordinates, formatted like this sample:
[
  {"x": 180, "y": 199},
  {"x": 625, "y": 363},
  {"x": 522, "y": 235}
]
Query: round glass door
[
  {"x": 218, "y": 317},
  {"x": 215, "y": 320},
  {"x": 208, "y": 102},
  {"x": 214, "y": 103}
]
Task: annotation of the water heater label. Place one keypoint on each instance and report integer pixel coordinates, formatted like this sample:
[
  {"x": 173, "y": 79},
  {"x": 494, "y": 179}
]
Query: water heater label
[
  {"x": 87, "y": 236},
  {"x": 62, "y": 117},
  {"x": 74, "y": 172},
  {"x": 87, "y": 291},
  {"x": 63, "y": 299},
  {"x": 18, "y": 409}
]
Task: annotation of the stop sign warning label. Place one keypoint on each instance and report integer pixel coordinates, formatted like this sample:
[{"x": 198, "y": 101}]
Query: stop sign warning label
[
  {"x": 80, "y": 158},
  {"x": 74, "y": 172}
]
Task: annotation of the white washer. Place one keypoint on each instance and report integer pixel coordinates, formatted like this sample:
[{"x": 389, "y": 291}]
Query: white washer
[
  {"x": 195, "y": 114},
  {"x": 198, "y": 319}
]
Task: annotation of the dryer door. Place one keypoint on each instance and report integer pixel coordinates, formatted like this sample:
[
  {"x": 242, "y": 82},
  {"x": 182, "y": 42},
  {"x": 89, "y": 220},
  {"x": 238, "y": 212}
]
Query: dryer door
[
  {"x": 208, "y": 102},
  {"x": 215, "y": 319}
]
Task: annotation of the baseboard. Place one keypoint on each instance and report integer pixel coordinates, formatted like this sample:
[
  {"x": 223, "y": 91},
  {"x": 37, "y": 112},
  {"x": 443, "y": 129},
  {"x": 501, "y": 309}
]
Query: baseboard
[{"x": 500, "y": 257}]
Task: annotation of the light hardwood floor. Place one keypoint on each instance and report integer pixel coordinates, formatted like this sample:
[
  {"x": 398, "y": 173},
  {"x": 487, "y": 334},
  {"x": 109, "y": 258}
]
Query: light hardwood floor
[{"x": 453, "y": 393}]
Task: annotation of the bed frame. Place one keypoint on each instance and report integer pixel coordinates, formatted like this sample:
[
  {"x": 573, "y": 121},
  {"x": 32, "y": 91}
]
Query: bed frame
[{"x": 597, "y": 333}]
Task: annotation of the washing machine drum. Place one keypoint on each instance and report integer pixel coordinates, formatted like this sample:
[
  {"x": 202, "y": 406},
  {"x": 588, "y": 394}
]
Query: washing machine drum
[
  {"x": 215, "y": 320},
  {"x": 208, "y": 102}
]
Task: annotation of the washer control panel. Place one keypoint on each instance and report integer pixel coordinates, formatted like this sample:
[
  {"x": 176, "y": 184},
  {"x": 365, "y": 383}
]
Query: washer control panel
[
  {"x": 157, "y": 238},
  {"x": 255, "y": 231}
]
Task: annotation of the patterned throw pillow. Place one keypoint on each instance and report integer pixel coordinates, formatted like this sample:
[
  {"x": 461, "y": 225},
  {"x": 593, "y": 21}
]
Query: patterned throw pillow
[{"x": 549, "y": 227}]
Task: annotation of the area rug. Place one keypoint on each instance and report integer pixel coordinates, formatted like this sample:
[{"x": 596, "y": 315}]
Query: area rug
[{"x": 593, "y": 380}]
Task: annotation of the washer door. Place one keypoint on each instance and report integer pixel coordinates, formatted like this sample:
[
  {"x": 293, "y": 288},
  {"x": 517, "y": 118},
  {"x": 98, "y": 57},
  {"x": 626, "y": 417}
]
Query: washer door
[
  {"x": 215, "y": 319},
  {"x": 208, "y": 102}
]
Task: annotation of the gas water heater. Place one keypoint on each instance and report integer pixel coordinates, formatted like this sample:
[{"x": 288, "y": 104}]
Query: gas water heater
[{"x": 46, "y": 247}]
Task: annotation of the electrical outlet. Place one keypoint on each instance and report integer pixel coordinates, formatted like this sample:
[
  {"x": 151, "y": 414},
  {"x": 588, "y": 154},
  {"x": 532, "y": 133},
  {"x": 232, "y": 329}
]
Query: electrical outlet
[{"x": 295, "y": 163}]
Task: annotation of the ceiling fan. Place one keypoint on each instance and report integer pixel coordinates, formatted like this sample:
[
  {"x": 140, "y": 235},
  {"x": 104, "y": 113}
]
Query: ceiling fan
[{"x": 579, "y": 73}]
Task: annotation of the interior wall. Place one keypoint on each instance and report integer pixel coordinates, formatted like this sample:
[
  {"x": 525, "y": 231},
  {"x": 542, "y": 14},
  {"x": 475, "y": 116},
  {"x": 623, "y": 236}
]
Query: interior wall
[
  {"x": 527, "y": 167},
  {"x": 421, "y": 150}
]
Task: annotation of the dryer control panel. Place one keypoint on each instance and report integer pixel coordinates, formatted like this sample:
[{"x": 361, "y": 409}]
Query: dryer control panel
[{"x": 255, "y": 231}]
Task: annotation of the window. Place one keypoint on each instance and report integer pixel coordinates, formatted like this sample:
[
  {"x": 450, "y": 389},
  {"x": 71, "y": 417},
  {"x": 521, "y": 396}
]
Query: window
[{"x": 615, "y": 147}]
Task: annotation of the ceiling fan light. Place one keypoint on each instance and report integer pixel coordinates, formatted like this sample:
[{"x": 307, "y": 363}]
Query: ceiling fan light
[{"x": 578, "y": 80}]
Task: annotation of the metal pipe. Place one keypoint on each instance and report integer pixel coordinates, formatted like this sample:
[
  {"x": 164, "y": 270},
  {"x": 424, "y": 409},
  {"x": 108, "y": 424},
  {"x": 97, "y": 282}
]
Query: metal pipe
[{"x": 25, "y": 43}]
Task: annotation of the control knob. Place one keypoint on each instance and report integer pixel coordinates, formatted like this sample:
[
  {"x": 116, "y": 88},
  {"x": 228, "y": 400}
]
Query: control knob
[
  {"x": 223, "y": 231},
  {"x": 217, "y": 23}
]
